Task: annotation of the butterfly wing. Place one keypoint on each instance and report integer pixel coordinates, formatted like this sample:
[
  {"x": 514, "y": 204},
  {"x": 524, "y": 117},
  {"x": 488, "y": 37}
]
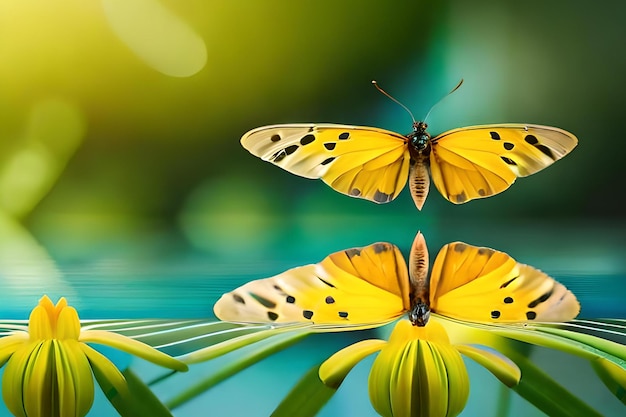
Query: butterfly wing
[
  {"x": 480, "y": 161},
  {"x": 352, "y": 287},
  {"x": 483, "y": 285},
  {"x": 363, "y": 162}
]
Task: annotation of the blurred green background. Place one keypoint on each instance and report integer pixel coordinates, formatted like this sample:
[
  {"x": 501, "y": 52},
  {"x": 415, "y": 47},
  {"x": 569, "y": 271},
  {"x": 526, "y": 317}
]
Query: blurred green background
[
  {"x": 122, "y": 178},
  {"x": 123, "y": 185}
]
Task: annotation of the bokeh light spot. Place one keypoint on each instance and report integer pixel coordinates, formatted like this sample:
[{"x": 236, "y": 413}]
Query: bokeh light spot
[
  {"x": 157, "y": 36},
  {"x": 32, "y": 165}
]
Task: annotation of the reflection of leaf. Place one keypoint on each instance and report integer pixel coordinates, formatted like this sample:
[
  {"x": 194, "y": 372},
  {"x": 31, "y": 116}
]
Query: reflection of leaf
[
  {"x": 26, "y": 270},
  {"x": 35, "y": 161}
]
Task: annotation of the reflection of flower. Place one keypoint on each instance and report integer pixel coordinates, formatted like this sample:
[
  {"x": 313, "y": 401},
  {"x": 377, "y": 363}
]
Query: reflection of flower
[{"x": 49, "y": 367}]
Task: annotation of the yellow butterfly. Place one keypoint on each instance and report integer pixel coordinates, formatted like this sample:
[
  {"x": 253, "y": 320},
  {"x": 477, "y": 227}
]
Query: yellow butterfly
[
  {"x": 372, "y": 285},
  {"x": 374, "y": 164}
]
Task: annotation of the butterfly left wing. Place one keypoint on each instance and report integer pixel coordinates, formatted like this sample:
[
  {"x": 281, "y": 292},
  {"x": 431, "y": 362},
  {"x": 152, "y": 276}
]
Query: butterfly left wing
[
  {"x": 480, "y": 161},
  {"x": 362, "y": 162},
  {"x": 353, "y": 287},
  {"x": 484, "y": 285}
]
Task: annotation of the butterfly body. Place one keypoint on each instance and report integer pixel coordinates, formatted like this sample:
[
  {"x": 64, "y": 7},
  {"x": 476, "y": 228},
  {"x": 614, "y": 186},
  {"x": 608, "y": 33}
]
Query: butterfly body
[
  {"x": 362, "y": 287},
  {"x": 374, "y": 164},
  {"x": 419, "y": 140}
]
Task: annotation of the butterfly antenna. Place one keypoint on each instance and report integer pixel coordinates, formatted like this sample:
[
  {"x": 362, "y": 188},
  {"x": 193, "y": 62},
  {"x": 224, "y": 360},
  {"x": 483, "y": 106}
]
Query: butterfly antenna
[
  {"x": 393, "y": 99},
  {"x": 441, "y": 99}
]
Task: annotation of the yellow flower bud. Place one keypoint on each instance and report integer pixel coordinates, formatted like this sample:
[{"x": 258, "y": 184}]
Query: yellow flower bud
[{"x": 418, "y": 373}]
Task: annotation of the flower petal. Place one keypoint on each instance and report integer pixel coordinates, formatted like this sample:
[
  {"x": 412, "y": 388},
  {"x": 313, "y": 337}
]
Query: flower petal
[
  {"x": 132, "y": 346},
  {"x": 495, "y": 362},
  {"x": 335, "y": 369},
  {"x": 105, "y": 369},
  {"x": 68, "y": 324},
  {"x": 39, "y": 393},
  {"x": 9, "y": 344},
  {"x": 39, "y": 325},
  {"x": 74, "y": 379},
  {"x": 12, "y": 380}
]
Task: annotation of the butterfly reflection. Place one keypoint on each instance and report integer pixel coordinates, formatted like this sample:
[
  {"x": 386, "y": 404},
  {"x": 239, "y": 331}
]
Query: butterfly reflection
[{"x": 373, "y": 285}]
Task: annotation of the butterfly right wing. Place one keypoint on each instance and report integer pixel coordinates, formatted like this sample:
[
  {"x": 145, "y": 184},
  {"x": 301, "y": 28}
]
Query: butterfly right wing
[
  {"x": 481, "y": 161},
  {"x": 353, "y": 287},
  {"x": 362, "y": 162},
  {"x": 484, "y": 285}
]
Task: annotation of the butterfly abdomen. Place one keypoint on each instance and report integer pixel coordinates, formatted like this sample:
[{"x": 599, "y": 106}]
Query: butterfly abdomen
[
  {"x": 419, "y": 181},
  {"x": 419, "y": 311}
]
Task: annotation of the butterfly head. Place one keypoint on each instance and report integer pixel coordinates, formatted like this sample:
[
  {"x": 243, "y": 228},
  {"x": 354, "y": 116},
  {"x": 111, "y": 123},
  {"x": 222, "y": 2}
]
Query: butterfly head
[
  {"x": 419, "y": 314},
  {"x": 420, "y": 139}
]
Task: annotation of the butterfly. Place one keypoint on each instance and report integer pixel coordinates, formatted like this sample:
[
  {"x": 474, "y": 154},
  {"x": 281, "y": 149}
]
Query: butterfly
[
  {"x": 374, "y": 164},
  {"x": 373, "y": 285}
]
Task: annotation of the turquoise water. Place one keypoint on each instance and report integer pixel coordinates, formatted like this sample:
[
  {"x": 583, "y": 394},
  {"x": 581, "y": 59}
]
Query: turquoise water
[{"x": 163, "y": 276}]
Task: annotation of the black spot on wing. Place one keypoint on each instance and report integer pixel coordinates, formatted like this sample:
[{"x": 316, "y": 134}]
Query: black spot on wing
[
  {"x": 380, "y": 248},
  {"x": 278, "y": 156},
  {"x": 531, "y": 139},
  {"x": 459, "y": 198},
  {"x": 275, "y": 138},
  {"x": 328, "y": 160},
  {"x": 508, "y": 146},
  {"x": 506, "y": 284},
  {"x": 281, "y": 154},
  {"x": 290, "y": 299},
  {"x": 344, "y": 135},
  {"x": 355, "y": 192},
  {"x": 330, "y": 145},
  {"x": 508, "y": 160},
  {"x": 494, "y": 135},
  {"x": 460, "y": 247},
  {"x": 307, "y": 314},
  {"x": 353, "y": 252},
  {"x": 272, "y": 316},
  {"x": 541, "y": 299},
  {"x": 381, "y": 197},
  {"x": 508, "y": 300},
  {"x": 531, "y": 315},
  {"x": 343, "y": 314},
  {"x": 329, "y": 300},
  {"x": 482, "y": 192},
  {"x": 326, "y": 282},
  {"x": 239, "y": 299},
  {"x": 307, "y": 139},
  {"x": 495, "y": 314},
  {"x": 546, "y": 151},
  {"x": 263, "y": 301}
]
